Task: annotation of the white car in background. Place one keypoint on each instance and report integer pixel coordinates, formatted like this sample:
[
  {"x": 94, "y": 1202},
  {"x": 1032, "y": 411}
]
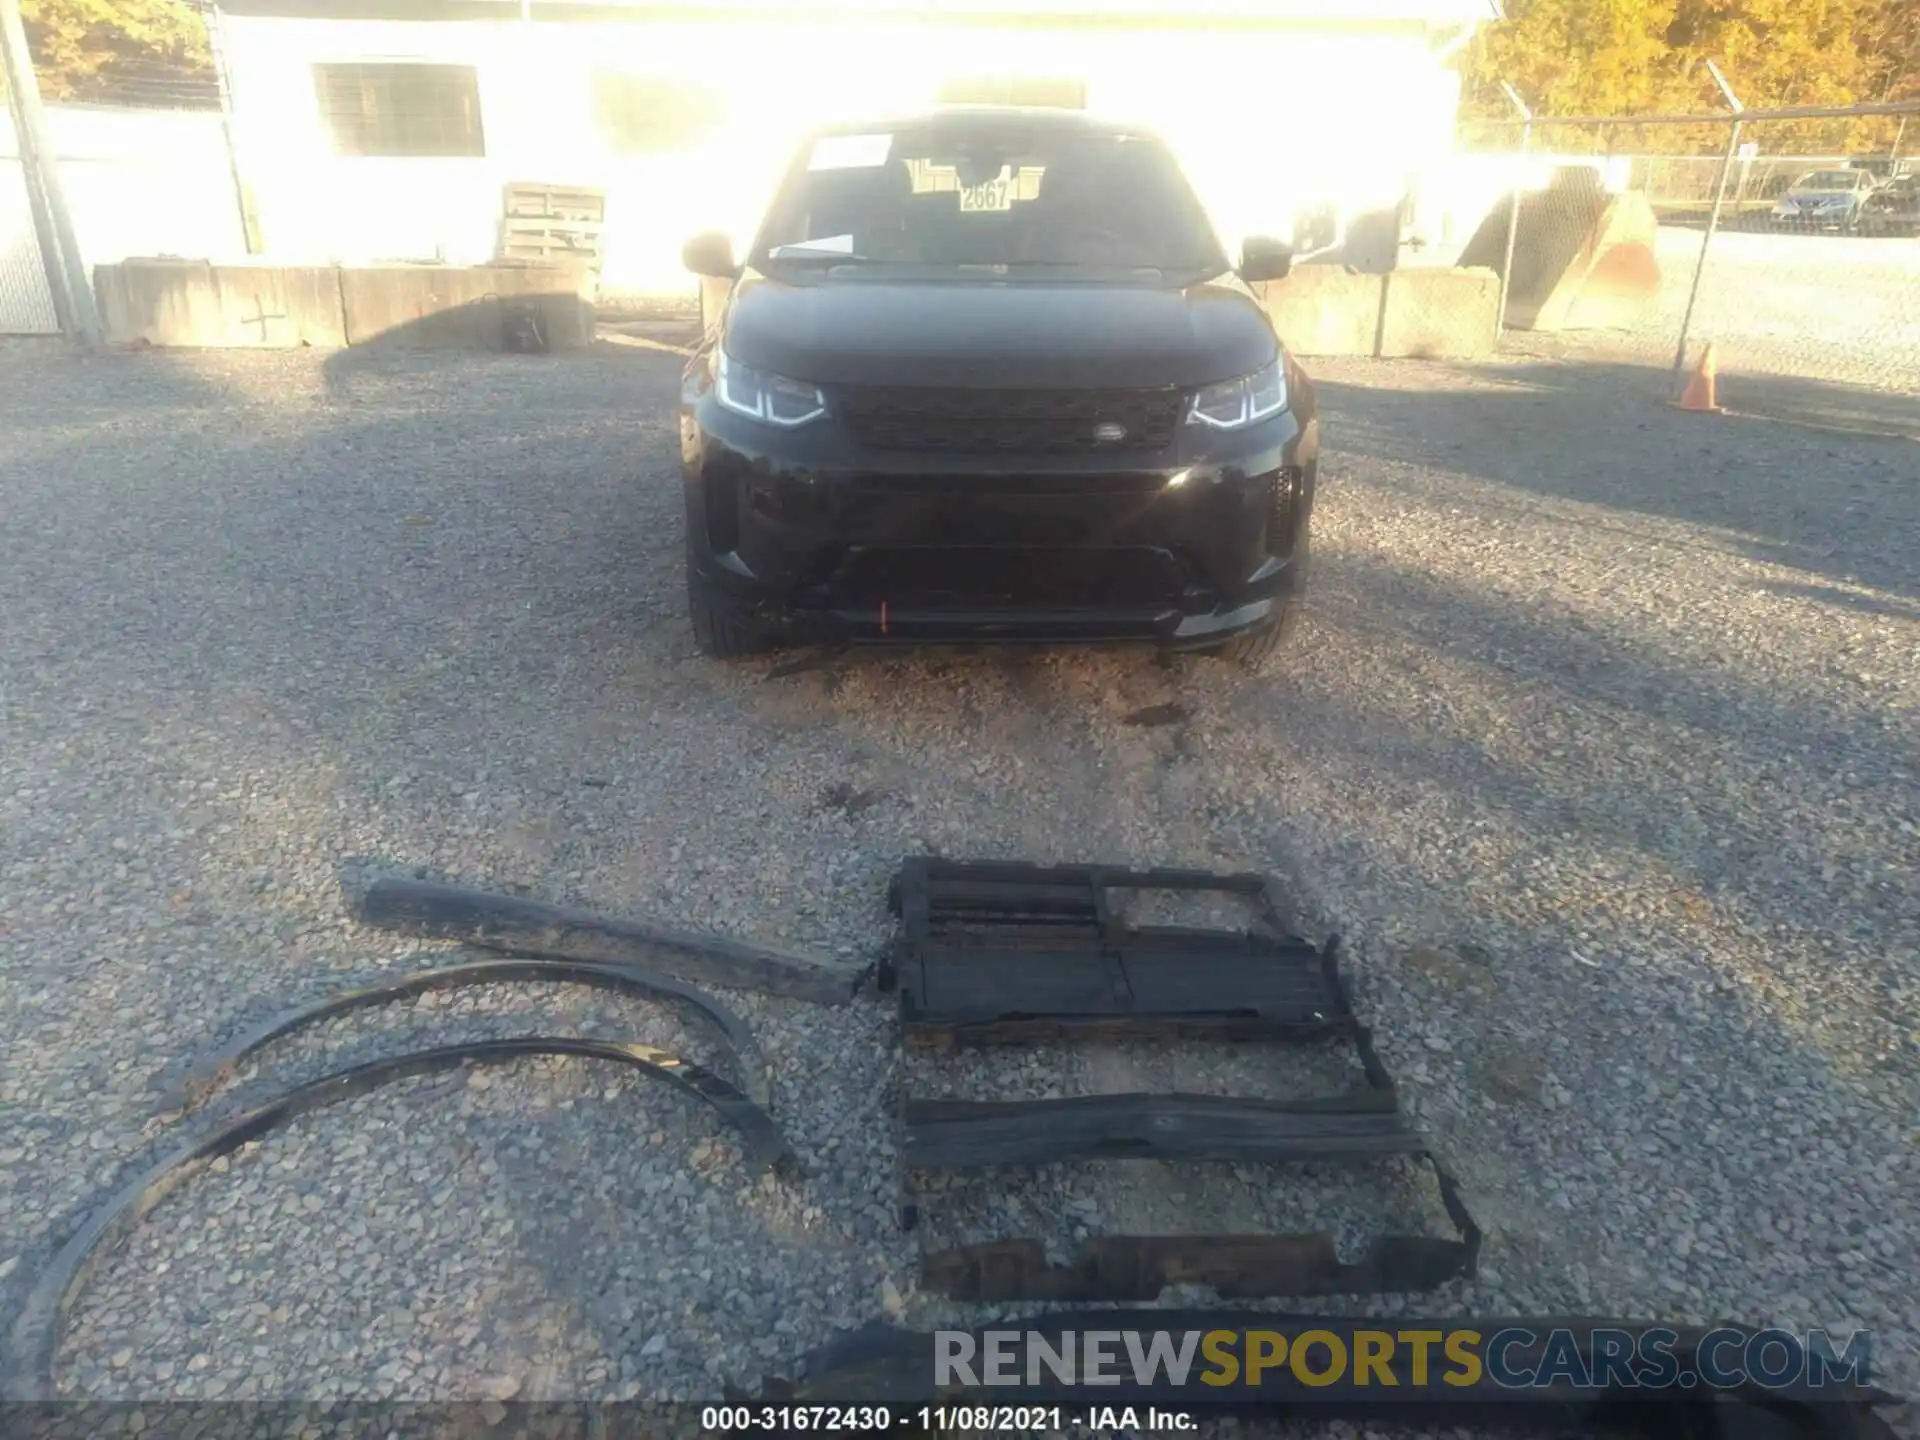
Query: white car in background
[{"x": 1824, "y": 200}]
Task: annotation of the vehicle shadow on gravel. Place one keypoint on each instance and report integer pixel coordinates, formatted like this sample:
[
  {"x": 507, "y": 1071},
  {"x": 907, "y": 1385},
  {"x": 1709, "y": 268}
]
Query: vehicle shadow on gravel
[
  {"x": 1703, "y": 735},
  {"x": 1613, "y": 695},
  {"x": 1601, "y": 434}
]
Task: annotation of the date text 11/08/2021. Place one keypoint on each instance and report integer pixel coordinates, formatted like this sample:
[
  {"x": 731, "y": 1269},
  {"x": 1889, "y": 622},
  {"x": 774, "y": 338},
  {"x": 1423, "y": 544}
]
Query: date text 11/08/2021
[{"x": 942, "y": 1419}]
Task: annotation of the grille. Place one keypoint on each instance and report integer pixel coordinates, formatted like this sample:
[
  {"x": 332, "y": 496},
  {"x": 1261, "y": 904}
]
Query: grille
[
  {"x": 932, "y": 577},
  {"x": 1001, "y": 422},
  {"x": 1062, "y": 484}
]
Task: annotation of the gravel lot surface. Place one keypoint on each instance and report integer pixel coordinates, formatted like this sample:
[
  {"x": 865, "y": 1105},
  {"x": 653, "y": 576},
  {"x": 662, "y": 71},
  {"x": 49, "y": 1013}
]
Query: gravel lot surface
[{"x": 1599, "y": 746}]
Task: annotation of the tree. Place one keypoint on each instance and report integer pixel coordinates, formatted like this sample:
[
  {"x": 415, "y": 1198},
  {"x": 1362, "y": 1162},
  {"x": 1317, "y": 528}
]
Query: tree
[
  {"x": 1892, "y": 49},
  {"x": 1622, "y": 57},
  {"x": 1573, "y": 57},
  {"x": 127, "y": 51}
]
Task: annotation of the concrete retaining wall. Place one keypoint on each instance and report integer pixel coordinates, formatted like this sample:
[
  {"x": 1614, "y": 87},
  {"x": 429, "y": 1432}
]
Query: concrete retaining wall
[
  {"x": 1433, "y": 314},
  {"x": 192, "y": 303},
  {"x": 1441, "y": 314},
  {"x": 1325, "y": 310},
  {"x": 456, "y": 308},
  {"x": 1318, "y": 309},
  {"x": 189, "y": 302}
]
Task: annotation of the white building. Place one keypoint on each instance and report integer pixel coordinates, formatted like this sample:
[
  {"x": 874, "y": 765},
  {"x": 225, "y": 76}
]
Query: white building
[{"x": 387, "y": 129}]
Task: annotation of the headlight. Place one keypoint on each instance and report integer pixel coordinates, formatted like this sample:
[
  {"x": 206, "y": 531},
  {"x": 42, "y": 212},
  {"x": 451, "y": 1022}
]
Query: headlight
[
  {"x": 1236, "y": 403},
  {"x": 772, "y": 398}
]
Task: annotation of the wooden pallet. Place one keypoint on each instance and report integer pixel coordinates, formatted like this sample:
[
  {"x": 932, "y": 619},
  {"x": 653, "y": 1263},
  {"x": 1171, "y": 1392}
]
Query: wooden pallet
[{"x": 544, "y": 224}]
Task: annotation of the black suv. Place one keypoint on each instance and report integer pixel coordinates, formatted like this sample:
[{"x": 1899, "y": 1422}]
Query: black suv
[{"x": 987, "y": 375}]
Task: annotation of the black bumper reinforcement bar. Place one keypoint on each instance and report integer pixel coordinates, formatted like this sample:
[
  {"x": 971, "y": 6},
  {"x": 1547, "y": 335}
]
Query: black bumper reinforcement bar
[{"x": 532, "y": 927}]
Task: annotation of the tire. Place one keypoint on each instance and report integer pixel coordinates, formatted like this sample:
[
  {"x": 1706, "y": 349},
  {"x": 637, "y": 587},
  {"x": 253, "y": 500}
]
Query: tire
[
  {"x": 718, "y": 634},
  {"x": 1252, "y": 650}
]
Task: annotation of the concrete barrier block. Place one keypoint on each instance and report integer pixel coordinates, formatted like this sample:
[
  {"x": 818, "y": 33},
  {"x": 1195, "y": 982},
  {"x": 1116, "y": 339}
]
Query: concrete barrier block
[
  {"x": 1324, "y": 310},
  {"x": 562, "y": 296},
  {"x": 1441, "y": 314},
  {"x": 158, "y": 302},
  {"x": 277, "y": 307},
  {"x": 193, "y": 303},
  {"x": 435, "y": 307},
  {"x": 420, "y": 307}
]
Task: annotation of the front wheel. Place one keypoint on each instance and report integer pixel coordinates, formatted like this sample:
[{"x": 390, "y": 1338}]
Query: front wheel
[
  {"x": 716, "y": 632},
  {"x": 1255, "y": 648}
]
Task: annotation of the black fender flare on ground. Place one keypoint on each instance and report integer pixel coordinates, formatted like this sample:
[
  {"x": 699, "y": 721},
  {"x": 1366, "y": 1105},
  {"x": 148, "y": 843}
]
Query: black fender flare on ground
[
  {"x": 204, "y": 1074},
  {"x": 26, "y": 1368}
]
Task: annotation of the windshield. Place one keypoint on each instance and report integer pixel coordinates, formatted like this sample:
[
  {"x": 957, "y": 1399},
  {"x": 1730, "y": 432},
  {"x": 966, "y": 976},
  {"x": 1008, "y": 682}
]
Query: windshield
[
  {"x": 991, "y": 194},
  {"x": 1830, "y": 180}
]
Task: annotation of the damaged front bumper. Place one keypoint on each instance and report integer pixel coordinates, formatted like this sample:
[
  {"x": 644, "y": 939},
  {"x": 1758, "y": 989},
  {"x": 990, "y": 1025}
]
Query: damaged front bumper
[{"x": 802, "y": 536}]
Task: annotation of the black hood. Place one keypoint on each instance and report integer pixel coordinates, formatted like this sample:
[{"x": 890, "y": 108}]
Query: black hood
[{"x": 994, "y": 334}]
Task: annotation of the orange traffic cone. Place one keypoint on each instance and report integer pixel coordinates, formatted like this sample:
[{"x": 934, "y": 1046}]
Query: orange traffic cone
[{"x": 1699, "y": 392}]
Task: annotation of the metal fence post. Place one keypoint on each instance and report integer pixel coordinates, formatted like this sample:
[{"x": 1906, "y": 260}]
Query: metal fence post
[
  {"x": 75, "y": 308},
  {"x": 1713, "y": 216},
  {"x": 223, "y": 77},
  {"x": 1513, "y": 203},
  {"x": 53, "y": 269}
]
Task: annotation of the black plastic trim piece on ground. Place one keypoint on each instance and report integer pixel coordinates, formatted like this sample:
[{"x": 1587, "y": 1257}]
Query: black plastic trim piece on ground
[
  {"x": 974, "y": 1135},
  {"x": 26, "y": 1370},
  {"x": 882, "y": 1365},
  {"x": 995, "y": 953},
  {"x": 532, "y": 927},
  {"x": 958, "y": 1135},
  {"x": 1137, "y": 1268},
  {"x": 204, "y": 1074}
]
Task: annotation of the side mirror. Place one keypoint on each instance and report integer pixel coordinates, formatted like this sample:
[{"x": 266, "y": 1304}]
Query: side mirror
[
  {"x": 710, "y": 254},
  {"x": 1264, "y": 258}
]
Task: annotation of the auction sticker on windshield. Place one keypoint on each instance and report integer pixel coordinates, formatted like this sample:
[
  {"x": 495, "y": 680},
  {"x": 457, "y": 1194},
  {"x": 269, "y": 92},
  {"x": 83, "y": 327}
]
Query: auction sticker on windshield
[{"x": 988, "y": 196}]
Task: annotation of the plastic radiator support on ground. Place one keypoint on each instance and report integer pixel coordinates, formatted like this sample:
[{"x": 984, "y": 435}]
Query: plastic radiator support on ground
[{"x": 993, "y": 953}]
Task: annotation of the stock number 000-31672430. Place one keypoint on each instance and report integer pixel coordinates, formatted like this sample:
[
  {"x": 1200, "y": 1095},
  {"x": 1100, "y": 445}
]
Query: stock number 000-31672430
[{"x": 880, "y": 1420}]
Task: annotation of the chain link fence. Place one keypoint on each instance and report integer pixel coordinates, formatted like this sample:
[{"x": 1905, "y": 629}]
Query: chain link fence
[{"x": 1787, "y": 241}]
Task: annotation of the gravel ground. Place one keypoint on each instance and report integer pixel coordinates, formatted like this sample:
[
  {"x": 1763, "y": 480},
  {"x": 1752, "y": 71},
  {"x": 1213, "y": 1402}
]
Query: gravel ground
[{"x": 1598, "y": 746}]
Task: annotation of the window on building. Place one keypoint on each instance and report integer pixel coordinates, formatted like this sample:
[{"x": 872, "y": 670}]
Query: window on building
[
  {"x": 652, "y": 115},
  {"x": 1056, "y": 94},
  {"x": 391, "y": 109}
]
